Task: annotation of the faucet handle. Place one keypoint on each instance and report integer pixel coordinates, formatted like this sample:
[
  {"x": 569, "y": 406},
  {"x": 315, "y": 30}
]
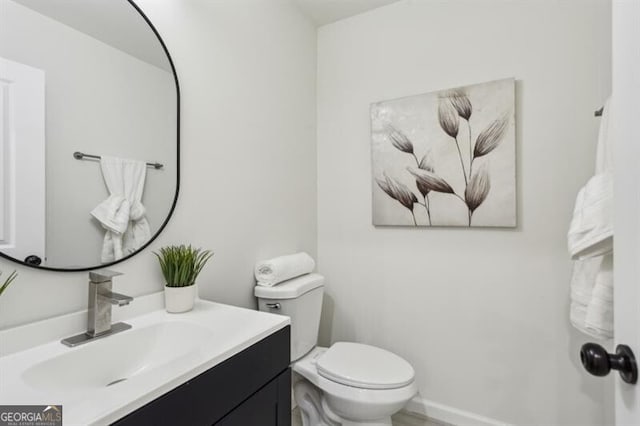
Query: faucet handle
[
  {"x": 119, "y": 299},
  {"x": 102, "y": 275}
]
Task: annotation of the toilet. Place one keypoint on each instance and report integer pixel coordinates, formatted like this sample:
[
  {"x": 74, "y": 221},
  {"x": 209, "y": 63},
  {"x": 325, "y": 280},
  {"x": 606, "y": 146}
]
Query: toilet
[{"x": 346, "y": 384}]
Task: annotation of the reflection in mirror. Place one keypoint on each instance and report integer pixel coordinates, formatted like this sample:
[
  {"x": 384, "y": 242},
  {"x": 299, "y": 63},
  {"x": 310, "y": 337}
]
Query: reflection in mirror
[{"x": 87, "y": 77}]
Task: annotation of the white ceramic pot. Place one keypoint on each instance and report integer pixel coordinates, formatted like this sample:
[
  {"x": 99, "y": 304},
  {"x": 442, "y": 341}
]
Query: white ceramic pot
[{"x": 179, "y": 299}]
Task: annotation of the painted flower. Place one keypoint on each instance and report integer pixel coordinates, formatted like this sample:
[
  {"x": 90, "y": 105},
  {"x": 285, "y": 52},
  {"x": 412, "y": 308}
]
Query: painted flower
[
  {"x": 448, "y": 118},
  {"x": 397, "y": 191},
  {"x": 490, "y": 138},
  {"x": 478, "y": 188},
  {"x": 427, "y": 165},
  {"x": 431, "y": 181},
  {"x": 461, "y": 103},
  {"x": 386, "y": 187},
  {"x": 400, "y": 140}
]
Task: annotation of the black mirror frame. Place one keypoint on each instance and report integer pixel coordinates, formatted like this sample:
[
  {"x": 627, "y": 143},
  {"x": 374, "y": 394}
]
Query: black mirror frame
[{"x": 175, "y": 198}]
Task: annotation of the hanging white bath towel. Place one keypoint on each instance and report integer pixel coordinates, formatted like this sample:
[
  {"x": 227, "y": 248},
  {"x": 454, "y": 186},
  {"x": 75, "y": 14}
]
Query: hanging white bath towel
[
  {"x": 591, "y": 245},
  {"x": 122, "y": 215}
]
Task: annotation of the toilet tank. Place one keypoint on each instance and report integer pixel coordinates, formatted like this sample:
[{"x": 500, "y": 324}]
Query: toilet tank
[{"x": 301, "y": 300}]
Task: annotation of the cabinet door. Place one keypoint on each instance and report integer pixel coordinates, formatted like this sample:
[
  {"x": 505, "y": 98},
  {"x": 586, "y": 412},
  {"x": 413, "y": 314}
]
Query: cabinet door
[
  {"x": 211, "y": 396},
  {"x": 270, "y": 406}
]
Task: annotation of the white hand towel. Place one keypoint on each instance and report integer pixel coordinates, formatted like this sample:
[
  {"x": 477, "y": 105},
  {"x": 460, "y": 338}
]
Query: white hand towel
[
  {"x": 583, "y": 283},
  {"x": 113, "y": 213},
  {"x": 591, "y": 230},
  {"x": 599, "y": 315},
  {"x": 122, "y": 215},
  {"x": 590, "y": 241},
  {"x": 274, "y": 271}
]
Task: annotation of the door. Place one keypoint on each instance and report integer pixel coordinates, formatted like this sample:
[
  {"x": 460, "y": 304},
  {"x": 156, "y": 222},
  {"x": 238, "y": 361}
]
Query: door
[
  {"x": 625, "y": 109},
  {"x": 22, "y": 161}
]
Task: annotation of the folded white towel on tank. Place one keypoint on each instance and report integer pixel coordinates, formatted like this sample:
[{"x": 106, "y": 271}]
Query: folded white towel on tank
[{"x": 274, "y": 271}]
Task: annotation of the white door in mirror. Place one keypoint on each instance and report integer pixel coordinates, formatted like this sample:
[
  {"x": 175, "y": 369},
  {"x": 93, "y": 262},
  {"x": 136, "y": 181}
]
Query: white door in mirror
[{"x": 22, "y": 159}]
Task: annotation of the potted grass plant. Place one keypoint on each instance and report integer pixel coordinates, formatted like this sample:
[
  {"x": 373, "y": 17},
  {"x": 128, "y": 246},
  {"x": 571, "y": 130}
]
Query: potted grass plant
[
  {"x": 7, "y": 282},
  {"x": 180, "y": 267}
]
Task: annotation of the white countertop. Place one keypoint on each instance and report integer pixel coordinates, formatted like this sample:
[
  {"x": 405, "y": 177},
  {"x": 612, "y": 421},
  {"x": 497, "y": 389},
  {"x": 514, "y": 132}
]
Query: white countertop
[{"x": 229, "y": 330}]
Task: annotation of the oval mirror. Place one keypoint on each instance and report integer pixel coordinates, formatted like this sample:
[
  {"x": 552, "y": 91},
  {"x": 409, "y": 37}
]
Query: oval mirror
[{"x": 89, "y": 132}]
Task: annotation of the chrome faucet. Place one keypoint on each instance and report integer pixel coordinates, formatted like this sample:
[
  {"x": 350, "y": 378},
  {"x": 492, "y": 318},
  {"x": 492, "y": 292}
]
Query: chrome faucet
[{"x": 101, "y": 298}]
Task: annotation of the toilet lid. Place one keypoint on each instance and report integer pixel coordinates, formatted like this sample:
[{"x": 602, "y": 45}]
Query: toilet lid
[{"x": 364, "y": 366}]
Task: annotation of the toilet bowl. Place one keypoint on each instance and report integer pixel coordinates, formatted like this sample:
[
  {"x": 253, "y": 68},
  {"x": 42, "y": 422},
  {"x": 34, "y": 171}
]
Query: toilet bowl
[
  {"x": 346, "y": 384},
  {"x": 369, "y": 398}
]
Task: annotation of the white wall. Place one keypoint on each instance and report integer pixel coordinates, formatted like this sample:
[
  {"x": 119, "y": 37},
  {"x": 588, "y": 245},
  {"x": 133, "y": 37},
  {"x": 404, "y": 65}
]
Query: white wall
[
  {"x": 481, "y": 313},
  {"x": 248, "y": 188},
  {"x": 101, "y": 101}
]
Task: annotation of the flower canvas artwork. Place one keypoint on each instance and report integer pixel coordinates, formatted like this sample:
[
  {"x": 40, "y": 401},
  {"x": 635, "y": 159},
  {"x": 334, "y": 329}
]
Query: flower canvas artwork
[{"x": 446, "y": 158}]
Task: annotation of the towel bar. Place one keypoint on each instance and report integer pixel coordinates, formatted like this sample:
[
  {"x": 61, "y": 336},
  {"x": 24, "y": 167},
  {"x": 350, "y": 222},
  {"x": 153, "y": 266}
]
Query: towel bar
[{"x": 80, "y": 155}]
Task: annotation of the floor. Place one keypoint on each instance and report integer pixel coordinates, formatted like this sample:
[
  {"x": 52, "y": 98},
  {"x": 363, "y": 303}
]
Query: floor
[{"x": 400, "y": 419}]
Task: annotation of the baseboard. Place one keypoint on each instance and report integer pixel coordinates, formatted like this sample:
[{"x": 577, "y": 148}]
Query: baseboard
[{"x": 445, "y": 414}]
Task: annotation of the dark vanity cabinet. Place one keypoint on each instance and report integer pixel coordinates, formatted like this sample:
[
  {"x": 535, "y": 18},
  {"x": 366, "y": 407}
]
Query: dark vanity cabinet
[{"x": 252, "y": 388}]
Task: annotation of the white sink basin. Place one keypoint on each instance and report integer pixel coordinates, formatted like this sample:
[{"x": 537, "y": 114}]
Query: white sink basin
[
  {"x": 117, "y": 358},
  {"x": 102, "y": 381}
]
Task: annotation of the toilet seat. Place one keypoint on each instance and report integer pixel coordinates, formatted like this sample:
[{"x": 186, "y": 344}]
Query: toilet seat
[
  {"x": 364, "y": 366},
  {"x": 349, "y": 402}
]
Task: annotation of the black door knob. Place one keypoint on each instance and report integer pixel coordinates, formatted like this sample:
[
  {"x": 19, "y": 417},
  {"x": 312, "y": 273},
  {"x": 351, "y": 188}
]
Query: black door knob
[
  {"x": 33, "y": 260},
  {"x": 598, "y": 362}
]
